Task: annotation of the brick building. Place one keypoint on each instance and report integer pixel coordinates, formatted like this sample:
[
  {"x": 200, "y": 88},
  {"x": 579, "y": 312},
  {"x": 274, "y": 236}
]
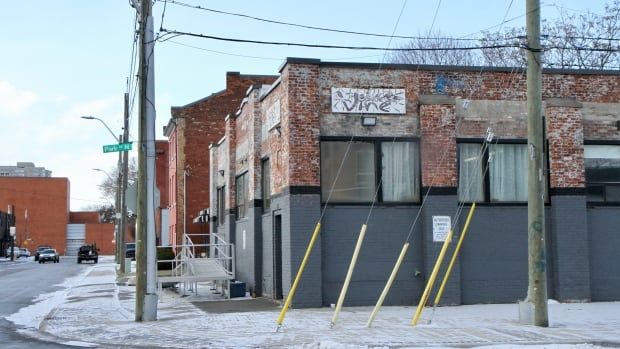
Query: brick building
[
  {"x": 190, "y": 130},
  {"x": 42, "y": 216},
  {"x": 395, "y": 146}
]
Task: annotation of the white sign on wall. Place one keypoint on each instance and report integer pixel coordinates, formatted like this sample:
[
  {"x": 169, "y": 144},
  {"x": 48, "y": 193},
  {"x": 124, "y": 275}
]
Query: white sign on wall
[
  {"x": 368, "y": 100},
  {"x": 441, "y": 227},
  {"x": 273, "y": 115}
]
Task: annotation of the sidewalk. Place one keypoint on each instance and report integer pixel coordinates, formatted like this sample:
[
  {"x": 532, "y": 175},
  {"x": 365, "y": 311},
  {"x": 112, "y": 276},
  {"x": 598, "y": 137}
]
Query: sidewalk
[{"x": 94, "y": 311}]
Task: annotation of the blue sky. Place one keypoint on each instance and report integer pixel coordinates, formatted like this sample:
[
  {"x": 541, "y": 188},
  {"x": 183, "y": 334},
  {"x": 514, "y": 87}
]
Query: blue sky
[{"x": 65, "y": 58}]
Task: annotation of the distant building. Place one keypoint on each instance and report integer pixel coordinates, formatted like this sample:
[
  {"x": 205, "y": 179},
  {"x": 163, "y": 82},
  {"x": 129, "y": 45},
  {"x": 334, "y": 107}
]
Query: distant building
[{"x": 24, "y": 169}]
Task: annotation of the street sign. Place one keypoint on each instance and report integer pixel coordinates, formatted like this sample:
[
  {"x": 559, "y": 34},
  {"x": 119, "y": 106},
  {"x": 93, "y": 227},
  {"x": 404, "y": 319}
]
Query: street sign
[{"x": 116, "y": 147}]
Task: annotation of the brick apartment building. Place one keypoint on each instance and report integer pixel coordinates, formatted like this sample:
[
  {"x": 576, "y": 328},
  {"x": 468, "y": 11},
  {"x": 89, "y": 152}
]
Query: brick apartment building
[
  {"x": 400, "y": 145},
  {"x": 42, "y": 216},
  {"x": 190, "y": 130}
]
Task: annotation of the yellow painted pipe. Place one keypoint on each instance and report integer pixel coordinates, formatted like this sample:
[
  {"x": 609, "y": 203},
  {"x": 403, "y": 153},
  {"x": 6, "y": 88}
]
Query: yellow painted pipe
[
  {"x": 386, "y": 289},
  {"x": 456, "y": 253},
  {"x": 431, "y": 281},
  {"x": 291, "y": 293},
  {"x": 347, "y": 280}
]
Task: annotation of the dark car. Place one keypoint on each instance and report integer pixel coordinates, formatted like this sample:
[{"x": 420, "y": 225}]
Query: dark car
[
  {"x": 130, "y": 250},
  {"x": 88, "y": 253},
  {"x": 49, "y": 255},
  {"x": 38, "y": 251}
]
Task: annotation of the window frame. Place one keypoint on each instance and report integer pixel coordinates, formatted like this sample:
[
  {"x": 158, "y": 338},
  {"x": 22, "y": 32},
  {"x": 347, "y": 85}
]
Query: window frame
[
  {"x": 265, "y": 185},
  {"x": 378, "y": 158},
  {"x": 597, "y": 142},
  {"x": 220, "y": 202},
  {"x": 241, "y": 214},
  {"x": 486, "y": 182}
]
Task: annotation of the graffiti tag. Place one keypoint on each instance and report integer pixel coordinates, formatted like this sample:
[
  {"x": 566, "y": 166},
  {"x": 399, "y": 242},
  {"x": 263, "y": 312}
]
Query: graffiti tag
[{"x": 368, "y": 100}]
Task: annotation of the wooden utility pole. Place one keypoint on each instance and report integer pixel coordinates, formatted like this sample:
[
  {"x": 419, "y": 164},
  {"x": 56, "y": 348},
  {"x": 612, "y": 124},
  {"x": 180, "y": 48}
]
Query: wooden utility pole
[
  {"x": 146, "y": 284},
  {"x": 534, "y": 309},
  {"x": 125, "y": 172}
]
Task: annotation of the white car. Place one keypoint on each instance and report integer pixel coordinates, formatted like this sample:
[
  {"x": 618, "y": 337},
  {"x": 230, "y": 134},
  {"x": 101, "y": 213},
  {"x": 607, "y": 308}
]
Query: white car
[
  {"x": 23, "y": 252},
  {"x": 16, "y": 253}
]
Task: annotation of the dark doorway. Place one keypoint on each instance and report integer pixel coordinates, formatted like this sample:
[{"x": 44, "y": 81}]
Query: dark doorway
[{"x": 277, "y": 257}]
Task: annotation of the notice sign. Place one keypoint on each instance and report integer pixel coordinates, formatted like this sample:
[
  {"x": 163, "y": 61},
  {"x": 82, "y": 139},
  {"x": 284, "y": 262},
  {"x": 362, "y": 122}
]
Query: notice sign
[{"x": 441, "y": 227}]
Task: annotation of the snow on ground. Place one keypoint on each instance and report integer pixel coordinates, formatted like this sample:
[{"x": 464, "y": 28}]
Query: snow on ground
[{"x": 93, "y": 308}]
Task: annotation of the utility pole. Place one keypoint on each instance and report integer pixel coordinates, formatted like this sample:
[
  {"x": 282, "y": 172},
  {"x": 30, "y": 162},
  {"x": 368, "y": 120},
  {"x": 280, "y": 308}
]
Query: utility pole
[
  {"x": 533, "y": 311},
  {"x": 125, "y": 171},
  {"x": 146, "y": 284},
  {"x": 117, "y": 208}
]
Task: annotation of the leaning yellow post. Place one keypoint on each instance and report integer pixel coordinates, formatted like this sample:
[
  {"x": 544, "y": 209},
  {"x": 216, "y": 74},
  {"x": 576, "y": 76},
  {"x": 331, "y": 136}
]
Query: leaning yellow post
[
  {"x": 388, "y": 285},
  {"x": 431, "y": 281},
  {"x": 456, "y": 253},
  {"x": 291, "y": 293},
  {"x": 347, "y": 279}
]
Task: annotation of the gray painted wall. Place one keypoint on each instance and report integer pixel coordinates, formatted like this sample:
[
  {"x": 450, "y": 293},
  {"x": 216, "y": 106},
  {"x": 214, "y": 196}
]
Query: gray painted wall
[
  {"x": 570, "y": 248},
  {"x": 385, "y": 235},
  {"x": 248, "y": 250},
  {"x": 604, "y": 243}
]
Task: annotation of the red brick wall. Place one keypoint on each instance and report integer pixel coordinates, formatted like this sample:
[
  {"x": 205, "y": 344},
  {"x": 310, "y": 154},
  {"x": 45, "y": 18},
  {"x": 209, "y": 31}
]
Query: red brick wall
[
  {"x": 565, "y": 135},
  {"x": 438, "y": 145},
  {"x": 47, "y": 201},
  {"x": 301, "y": 125},
  {"x": 202, "y": 124},
  {"x": 83, "y": 217},
  {"x": 102, "y": 235}
]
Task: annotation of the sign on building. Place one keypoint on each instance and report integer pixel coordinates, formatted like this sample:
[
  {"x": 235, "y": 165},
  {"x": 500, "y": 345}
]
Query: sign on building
[
  {"x": 368, "y": 100},
  {"x": 441, "y": 227}
]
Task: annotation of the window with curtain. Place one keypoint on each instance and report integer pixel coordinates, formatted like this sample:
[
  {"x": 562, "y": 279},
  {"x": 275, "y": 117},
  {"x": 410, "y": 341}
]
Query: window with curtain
[
  {"x": 361, "y": 170},
  {"x": 505, "y": 179},
  {"x": 400, "y": 175},
  {"x": 266, "y": 184},
  {"x": 241, "y": 185},
  {"x": 508, "y": 172},
  {"x": 471, "y": 179},
  {"x": 602, "y": 164}
]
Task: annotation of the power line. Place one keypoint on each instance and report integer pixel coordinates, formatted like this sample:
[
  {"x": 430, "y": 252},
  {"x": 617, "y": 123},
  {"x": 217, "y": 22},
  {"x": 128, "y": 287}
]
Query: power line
[
  {"x": 272, "y": 21},
  {"x": 280, "y": 43}
]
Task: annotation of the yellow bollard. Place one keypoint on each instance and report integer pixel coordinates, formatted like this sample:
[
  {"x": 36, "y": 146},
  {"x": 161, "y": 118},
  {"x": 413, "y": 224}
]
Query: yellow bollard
[
  {"x": 388, "y": 285},
  {"x": 291, "y": 293},
  {"x": 431, "y": 281},
  {"x": 347, "y": 280},
  {"x": 456, "y": 252}
]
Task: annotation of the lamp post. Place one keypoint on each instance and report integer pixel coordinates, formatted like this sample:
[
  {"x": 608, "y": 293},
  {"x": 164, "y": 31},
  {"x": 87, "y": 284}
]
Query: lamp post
[
  {"x": 117, "y": 206},
  {"x": 88, "y": 117}
]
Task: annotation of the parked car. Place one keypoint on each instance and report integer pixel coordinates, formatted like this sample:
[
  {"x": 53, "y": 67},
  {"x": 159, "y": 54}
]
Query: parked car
[
  {"x": 49, "y": 255},
  {"x": 88, "y": 253},
  {"x": 130, "y": 250},
  {"x": 38, "y": 251},
  {"x": 23, "y": 252},
  {"x": 15, "y": 252}
]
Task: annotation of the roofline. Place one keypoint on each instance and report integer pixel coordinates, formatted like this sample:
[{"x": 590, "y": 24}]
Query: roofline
[{"x": 425, "y": 67}]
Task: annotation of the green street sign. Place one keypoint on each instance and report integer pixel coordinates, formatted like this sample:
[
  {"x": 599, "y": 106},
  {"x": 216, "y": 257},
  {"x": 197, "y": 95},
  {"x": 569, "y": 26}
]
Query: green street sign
[{"x": 116, "y": 147}]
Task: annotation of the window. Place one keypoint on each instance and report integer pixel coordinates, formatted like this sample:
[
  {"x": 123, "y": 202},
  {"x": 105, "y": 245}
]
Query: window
[
  {"x": 266, "y": 184},
  {"x": 602, "y": 163},
  {"x": 362, "y": 168},
  {"x": 221, "y": 206},
  {"x": 241, "y": 185},
  {"x": 505, "y": 180}
]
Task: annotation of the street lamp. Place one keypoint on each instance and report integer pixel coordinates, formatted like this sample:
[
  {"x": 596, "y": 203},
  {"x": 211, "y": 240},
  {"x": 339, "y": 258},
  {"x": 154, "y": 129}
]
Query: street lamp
[
  {"x": 88, "y": 117},
  {"x": 119, "y": 194},
  {"x": 104, "y": 171}
]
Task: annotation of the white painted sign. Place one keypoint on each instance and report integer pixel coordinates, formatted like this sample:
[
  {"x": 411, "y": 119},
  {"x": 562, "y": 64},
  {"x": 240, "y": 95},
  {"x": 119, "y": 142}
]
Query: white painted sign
[
  {"x": 441, "y": 227},
  {"x": 273, "y": 115},
  {"x": 368, "y": 100}
]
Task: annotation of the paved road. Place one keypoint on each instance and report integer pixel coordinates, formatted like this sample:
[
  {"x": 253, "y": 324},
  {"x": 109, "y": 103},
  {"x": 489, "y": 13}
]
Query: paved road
[{"x": 22, "y": 281}]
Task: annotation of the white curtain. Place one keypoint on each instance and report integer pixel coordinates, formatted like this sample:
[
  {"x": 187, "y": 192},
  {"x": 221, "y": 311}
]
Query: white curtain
[
  {"x": 399, "y": 170},
  {"x": 508, "y": 172},
  {"x": 470, "y": 173}
]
